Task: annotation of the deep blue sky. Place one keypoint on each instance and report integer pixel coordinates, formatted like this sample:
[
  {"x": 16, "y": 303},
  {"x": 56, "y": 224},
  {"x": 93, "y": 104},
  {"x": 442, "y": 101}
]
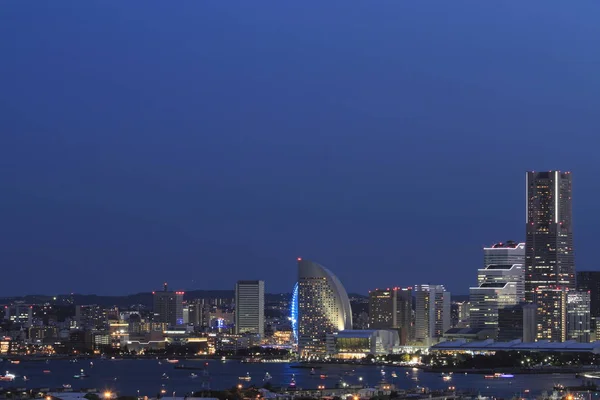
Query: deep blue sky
[{"x": 202, "y": 142}]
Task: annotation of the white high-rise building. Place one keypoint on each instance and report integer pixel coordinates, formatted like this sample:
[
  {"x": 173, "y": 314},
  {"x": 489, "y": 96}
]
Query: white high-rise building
[
  {"x": 501, "y": 283},
  {"x": 578, "y": 316},
  {"x": 504, "y": 263},
  {"x": 250, "y": 307},
  {"x": 432, "y": 313}
]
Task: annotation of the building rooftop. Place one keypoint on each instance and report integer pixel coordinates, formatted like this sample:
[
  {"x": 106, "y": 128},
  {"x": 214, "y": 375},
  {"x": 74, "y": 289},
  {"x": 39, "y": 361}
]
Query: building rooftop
[
  {"x": 509, "y": 244},
  {"x": 517, "y": 345}
]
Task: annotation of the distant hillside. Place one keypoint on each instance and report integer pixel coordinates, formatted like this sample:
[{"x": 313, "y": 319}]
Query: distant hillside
[{"x": 144, "y": 299}]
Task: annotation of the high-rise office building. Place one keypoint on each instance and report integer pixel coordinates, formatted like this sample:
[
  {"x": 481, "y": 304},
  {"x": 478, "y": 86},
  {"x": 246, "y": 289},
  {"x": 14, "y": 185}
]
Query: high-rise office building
[
  {"x": 549, "y": 254},
  {"x": 501, "y": 283},
  {"x": 589, "y": 281},
  {"x": 551, "y": 314},
  {"x": 168, "y": 307},
  {"x": 578, "y": 316},
  {"x": 504, "y": 263},
  {"x": 486, "y": 299},
  {"x": 432, "y": 313},
  {"x": 383, "y": 308},
  {"x": 392, "y": 309},
  {"x": 250, "y": 307},
  {"x": 323, "y": 308}
]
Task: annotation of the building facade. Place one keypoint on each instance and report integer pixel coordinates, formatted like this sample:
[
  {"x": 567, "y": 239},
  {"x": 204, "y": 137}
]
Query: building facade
[
  {"x": 392, "y": 309},
  {"x": 551, "y": 314},
  {"x": 501, "y": 283},
  {"x": 589, "y": 281},
  {"x": 578, "y": 316},
  {"x": 549, "y": 253},
  {"x": 323, "y": 308},
  {"x": 432, "y": 313},
  {"x": 168, "y": 307},
  {"x": 250, "y": 307}
]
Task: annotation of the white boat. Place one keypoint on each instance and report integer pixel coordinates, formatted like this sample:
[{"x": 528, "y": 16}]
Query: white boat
[
  {"x": 7, "y": 377},
  {"x": 245, "y": 378},
  {"x": 193, "y": 375},
  {"x": 164, "y": 376},
  {"x": 67, "y": 386},
  {"x": 267, "y": 377}
]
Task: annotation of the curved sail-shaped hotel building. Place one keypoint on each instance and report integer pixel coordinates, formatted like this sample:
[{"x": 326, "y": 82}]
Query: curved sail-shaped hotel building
[{"x": 323, "y": 308}]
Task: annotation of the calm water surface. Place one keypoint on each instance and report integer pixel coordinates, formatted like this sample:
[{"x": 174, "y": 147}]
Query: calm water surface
[{"x": 128, "y": 376}]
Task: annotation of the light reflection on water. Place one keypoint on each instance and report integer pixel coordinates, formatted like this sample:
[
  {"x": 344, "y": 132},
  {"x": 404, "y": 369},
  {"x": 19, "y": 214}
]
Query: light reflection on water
[{"x": 128, "y": 376}]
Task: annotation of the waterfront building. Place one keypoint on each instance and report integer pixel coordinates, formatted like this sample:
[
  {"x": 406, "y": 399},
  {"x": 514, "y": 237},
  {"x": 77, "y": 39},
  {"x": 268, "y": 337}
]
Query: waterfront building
[
  {"x": 356, "y": 344},
  {"x": 578, "y": 316},
  {"x": 551, "y": 314},
  {"x": 549, "y": 253},
  {"x": 168, "y": 307},
  {"x": 486, "y": 301},
  {"x": 392, "y": 309},
  {"x": 510, "y": 323},
  {"x": 323, "y": 308},
  {"x": 589, "y": 281},
  {"x": 501, "y": 283},
  {"x": 432, "y": 313},
  {"x": 250, "y": 307},
  {"x": 504, "y": 263}
]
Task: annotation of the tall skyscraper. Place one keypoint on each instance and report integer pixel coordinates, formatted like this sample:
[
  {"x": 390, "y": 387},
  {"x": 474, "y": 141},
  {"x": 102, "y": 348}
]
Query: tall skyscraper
[
  {"x": 250, "y": 307},
  {"x": 323, "y": 308},
  {"x": 552, "y": 314},
  {"x": 392, "y": 309},
  {"x": 549, "y": 254},
  {"x": 504, "y": 263},
  {"x": 578, "y": 316},
  {"x": 501, "y": 283},
  {"x": 168, "y": 307},
  {"x": 382, "y": 308},
  {"x": 432, "y": 313}
]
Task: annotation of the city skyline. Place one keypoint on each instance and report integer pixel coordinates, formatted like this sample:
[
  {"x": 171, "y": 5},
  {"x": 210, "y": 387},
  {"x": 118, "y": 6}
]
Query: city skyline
[{"x": 364, "y": 137}]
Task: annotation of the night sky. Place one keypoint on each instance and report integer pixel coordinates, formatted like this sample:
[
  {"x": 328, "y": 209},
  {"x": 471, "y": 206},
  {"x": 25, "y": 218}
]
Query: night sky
[{"x": 202, "y": 142}]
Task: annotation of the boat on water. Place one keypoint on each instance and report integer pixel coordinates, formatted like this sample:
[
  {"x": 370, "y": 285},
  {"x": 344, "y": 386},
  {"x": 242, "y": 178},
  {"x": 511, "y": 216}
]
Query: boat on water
[
  {"x": 81, "y": 375},
  {"x": 15, "y": 361},
  {"x": 46, "y": 371},
  {"x": 66, "y": 386},
  {"x": 7, "y": 377},
  {"x": 91, "y": 363},
  {"x": 323, "y": 376},
  {"x": 246, "y": 378},
  {"x": 498, "y": 375},
  {"x": 164, "y": 376},
  {"x": 267, "y": 377},
  {"x": 223, "y": 358},
  {"x": 25, "y": 378},
  {"x": 193, "y": 375},
  {"x": 47, "y": 361},
  {"x": 172, "y": 361},
  {"x": 312, "y": 371},
  {"x": 394, "y": 374},
  {"x": 292, "y": 382}
]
